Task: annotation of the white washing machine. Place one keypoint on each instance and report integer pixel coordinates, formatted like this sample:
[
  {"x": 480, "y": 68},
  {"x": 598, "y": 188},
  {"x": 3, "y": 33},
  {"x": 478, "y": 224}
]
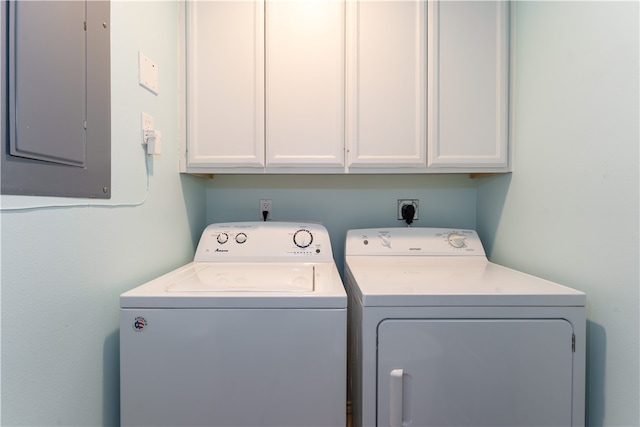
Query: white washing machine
[
  {"x": 251, "y": 333},
  {"x": 440, "y": 336}
]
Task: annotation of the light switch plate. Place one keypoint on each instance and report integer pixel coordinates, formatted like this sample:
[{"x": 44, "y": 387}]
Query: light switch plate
[{"x": 148, "y": 72}]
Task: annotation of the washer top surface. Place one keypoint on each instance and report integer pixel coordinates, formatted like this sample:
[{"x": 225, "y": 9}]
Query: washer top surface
[
  {"x": 439, "y": 267},
  {"x": 250, "y": 265}
]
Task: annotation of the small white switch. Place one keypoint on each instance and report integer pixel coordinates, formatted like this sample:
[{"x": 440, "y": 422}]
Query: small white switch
[{"x": 148, "y": 72}]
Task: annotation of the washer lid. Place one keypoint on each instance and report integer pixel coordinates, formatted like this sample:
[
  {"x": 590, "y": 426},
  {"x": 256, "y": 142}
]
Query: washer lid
[
  {"x": 450, "y": 281},
  {"x": 238, "y": 278},
  {"x": 242, "y": 285}
]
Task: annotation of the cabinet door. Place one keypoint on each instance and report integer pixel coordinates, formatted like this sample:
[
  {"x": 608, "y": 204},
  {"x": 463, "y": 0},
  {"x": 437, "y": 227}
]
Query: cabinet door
[
  {"x": 472, "y": 372},
  {"x": 468, "y": 84},
  {"x": 387, "y": 75},
  {"x": 305, "y": 83},
  {"x": 225, "y": 83}
]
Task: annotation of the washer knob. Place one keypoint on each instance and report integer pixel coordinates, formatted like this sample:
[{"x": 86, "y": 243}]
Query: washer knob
[
  {"x": 222, "y": 238},
  {"x": 457, "y": 240},
  {"x": 241, "y": 238},
  {"x": 303, "y": 238}
]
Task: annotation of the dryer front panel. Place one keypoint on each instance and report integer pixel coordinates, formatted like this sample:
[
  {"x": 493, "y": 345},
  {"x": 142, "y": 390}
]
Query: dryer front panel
[{"x": 474, "y": 372}]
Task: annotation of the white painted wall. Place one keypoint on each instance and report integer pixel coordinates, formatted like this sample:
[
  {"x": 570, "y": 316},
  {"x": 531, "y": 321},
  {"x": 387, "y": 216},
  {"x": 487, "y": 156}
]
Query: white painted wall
[
  {"x": 570, "y": 211},
  {"x": 64, "y": 268},
  {"x": 342, "y": 202}
]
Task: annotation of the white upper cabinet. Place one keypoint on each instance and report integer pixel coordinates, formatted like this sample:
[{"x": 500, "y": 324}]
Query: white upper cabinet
[
  {"x": 225, "y": 84},
  {"x": 305, "y": 83},
  {"x": 265, "y": 85},
  {"x": 346, "y": 86},
  {"x": 387, "y": 84},
  {"x": 468, "y": 85}
]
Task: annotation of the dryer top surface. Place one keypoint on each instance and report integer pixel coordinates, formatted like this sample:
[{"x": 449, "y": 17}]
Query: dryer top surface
[{"x": 436, "y": 281}]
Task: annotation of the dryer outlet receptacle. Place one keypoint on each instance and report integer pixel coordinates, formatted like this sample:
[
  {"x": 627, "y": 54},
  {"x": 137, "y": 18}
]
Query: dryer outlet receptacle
[
  {"x": 404, "y": 202},
  {"x": 265, "y": 206}
]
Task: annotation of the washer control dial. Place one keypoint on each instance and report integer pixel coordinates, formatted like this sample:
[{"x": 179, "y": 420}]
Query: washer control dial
[
  {"x": 241, "y": 238},
  {"x": 457, "y": 240},
  {"x": 303, "y": 238},
  {"x": 222, "y": 238}
]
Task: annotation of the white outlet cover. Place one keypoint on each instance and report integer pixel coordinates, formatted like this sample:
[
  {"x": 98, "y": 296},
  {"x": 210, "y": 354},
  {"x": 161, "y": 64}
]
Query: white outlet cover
[
  {"x": 148, "y": 72},
  {"x": 146, "y": 123}
]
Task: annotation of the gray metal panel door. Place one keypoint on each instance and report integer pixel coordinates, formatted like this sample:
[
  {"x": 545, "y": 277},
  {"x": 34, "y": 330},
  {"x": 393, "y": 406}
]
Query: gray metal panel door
[
  {"x": 49, "y": 70},
  {"x": 468, "y": 372},
  {"x": 56, "y": 111}
]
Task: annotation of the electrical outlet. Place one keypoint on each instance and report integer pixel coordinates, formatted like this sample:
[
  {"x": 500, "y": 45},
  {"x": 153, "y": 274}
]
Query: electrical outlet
[
  {"x": 403, "y": 202},
  {"x": 265, "y": 205},
  {"x": 147, "y": 124}
]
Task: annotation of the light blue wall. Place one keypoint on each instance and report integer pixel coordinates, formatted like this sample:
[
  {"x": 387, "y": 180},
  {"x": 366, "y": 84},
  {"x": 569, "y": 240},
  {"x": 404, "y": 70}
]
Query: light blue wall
[
  {"x": 570, "y": 211},
  {"x": 341, "y": 203},
  {"x": 64, "y": 268}
]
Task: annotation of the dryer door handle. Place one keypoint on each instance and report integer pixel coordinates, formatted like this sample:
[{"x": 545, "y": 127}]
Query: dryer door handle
[{"x": 395, "y": 397}]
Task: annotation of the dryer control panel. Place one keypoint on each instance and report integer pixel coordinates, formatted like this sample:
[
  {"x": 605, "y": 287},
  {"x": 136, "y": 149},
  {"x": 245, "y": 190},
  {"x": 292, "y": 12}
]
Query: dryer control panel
[
  {"x": 419, "y": 241},
  {"x": 265, "y": 241}
]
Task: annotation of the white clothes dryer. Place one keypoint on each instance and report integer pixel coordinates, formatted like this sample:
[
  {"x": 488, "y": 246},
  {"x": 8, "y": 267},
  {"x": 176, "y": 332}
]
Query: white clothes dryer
[
  {"x": 251, "y": 333},
  {"x": 440, "y": 336}
]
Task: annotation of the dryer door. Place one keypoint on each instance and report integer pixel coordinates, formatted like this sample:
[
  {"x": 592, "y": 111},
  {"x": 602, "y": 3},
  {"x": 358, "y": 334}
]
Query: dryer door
[{"x": 475, "y": 372}]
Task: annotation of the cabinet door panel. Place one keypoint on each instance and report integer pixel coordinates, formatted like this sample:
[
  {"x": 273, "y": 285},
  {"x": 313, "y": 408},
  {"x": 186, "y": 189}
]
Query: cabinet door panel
[
  {"x": 472, "y": 372},
  {"x": 305, "y": 83},
  {"x": 225, "y": 83},
  {"x": 387, "y": 84},
  {"x": 469, "y": 87}
]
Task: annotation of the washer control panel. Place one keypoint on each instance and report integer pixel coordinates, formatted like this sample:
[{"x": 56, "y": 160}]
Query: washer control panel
[
  {"x": 269, "y": 241},
  {"x": 414, "y": 241}
]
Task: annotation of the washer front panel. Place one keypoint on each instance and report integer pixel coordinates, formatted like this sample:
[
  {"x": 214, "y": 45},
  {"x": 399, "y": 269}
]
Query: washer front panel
[{"x": 238, "y": 367}]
